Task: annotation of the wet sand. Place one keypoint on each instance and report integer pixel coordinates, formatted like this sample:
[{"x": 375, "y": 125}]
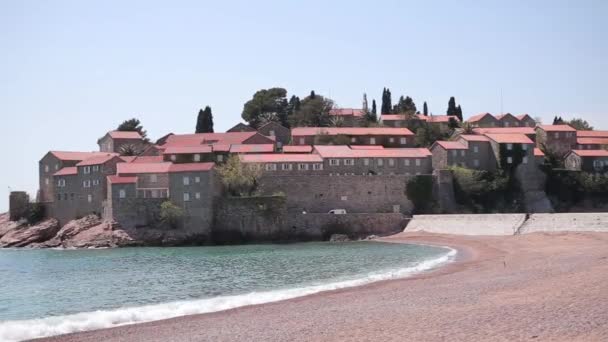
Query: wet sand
[{"x": 535, "y": 287}]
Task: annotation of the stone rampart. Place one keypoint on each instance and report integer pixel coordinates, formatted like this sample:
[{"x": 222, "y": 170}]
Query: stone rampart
[
  {"x": 573, "y": 222},
  {"x": 474, "y": 224}
]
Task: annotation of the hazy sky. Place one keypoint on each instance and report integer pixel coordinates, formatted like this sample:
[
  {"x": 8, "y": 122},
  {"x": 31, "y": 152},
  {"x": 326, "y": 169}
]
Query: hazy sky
[{"x": 72, "y": 70}]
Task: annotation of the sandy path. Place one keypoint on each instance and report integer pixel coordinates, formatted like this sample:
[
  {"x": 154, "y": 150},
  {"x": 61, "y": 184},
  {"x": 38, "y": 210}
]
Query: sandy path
[{"x": 535, "y": 287}]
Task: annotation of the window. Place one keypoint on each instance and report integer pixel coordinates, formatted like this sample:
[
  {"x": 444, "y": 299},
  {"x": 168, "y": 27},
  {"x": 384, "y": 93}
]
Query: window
[
  {"x": 46, "y": 168},
  {"x": 186, "y": 180},
  {"x": 220, "y": 158},
  {"x": 417, "y": 173},
  {"x": 59, "y": 197},
  {"x": 417, "y": 162},
  {"x": 173, "y": 157},
  {"x": 89, "y": 198},
  {"x": 344, "y": 198},
  {"x": 271, "y": 167},
  {"x": 525, "y": 160},
  {"x": 372, "y": 141},
  {"x": 353, "y": 140},
  {"x": 302, "y": 142},
  {"x": 391, "y": 162},
  {"x": 334, "y": 162},
  {"x": 197, "y": 195},
  {"x": 197, "y": 157},
  {"x": 476, "y": 162},
  {"x": 154, "y": 193},
  {"x": 524, "y": 147},
  {"x": 509, "y": 147},
  {"x": 56, "y": 167},
  {"x": 317, "y": 167},
  {"x": 197, "y": 179},
  {"x": 122, "y": 193},
  {"x": 286, "y": 167},
  {"x": 349, "y": 162},
  {"x": 95, "y": 182},
  {"x": 391, "y": 140},
  {"x": 454, "y": 153},
  {"x": 153, "y": 178},
  {"x": 462, "y": 152},
  {"x": 556, "y": 135},
  {"x": 186, "y": 197},
  {"x": 380, "y": 162},
  {"x": 72, "y": 196},
  {"x": 366, "y": 161},
  {"x": 271, "y": 133},
  {"x": 476, "y": 149},
  {"x": 87, "y": 170},
  {"x": 403, "y": 141},
  {"x": 95, "y": 168},
  {"x": 302, "y": 167},
  {"x": 46, "y": 181},
  {"x": 598, "y": 164},
  {"x": 86, "y": 184},
  {"x": 509, "y": 160},
  {"x": 506, "y": 124},
  {"x": 407, "y": 162}
]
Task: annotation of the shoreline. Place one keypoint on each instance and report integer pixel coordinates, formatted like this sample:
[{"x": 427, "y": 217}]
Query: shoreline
[{"x": 499, "y": 288}]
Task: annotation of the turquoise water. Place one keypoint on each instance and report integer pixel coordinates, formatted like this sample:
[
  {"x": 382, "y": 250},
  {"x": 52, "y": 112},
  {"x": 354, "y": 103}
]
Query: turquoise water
[{"x": 120, "y": 286}]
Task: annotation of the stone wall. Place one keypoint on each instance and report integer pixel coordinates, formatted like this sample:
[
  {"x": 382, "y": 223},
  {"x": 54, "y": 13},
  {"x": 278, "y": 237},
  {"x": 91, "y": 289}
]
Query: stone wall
[
  {"x": 18, "y": 205},
  {"x": 267, "y": 219},
  {"x": 356, "y": 194},
  {"x": 479, "y": 224},
  {"x": 573, "y": 222}
]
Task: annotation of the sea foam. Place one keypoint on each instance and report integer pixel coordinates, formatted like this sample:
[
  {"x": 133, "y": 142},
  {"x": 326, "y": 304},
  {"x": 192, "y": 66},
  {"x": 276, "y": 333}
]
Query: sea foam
[{"x": 57, "y": 325}]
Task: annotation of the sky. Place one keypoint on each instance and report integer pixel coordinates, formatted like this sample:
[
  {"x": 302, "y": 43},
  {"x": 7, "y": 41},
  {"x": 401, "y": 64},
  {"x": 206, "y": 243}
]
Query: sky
[{"x": 72, "y": 70}]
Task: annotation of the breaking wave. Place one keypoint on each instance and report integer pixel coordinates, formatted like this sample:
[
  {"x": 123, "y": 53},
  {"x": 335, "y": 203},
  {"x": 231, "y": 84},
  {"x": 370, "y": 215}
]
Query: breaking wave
[{"x": 57, "y": 325}]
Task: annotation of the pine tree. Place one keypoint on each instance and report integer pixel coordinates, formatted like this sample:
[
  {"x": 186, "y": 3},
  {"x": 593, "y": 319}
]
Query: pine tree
[
  {"x": 451, "y": 107},
  {"x": 425, "y": 109}
]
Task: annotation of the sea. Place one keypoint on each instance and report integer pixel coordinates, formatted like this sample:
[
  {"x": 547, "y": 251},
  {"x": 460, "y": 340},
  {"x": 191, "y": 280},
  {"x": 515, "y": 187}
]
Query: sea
[{"x": 48, "y": 292}]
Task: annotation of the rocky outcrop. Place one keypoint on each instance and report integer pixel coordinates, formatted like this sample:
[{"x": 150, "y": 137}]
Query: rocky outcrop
[
  {"x": 6, "y": 225},
  {"x": 24, "y": 235},
  {"x": 339, "y": 238}
]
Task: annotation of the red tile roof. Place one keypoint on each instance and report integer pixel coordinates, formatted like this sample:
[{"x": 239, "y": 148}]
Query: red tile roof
[
  {"x": 557, "y": 128},
  {"x": 128, "y": 159},
  {"x": 538, "y": 152},
  {"x": 595, "y": 134},
  {"x": 113, "y": 179},
  {"x": 75, "y": 156},
  {"x": 366, "y": 147},
  {"x": 473, "y": 137},
  {"x": 252, "y": 148},
  {"x": 505, "y": 130},
  {"x": 147, "y": 159},
  {"x": 478, "y": 117},
  {"x": 190, "y": 167},
  {"x": 510, "y": 138},
  {"x": 208, "y": 138},
  {"x": 451, "y": 145},
  {"x": 437, "y": 118},
  {"x": 592, "y": 141},
  {"x": 523, "y": 116},
  {"x": 281, "y": 158},
  {"x": 221, "y": 147},
  {"x": 135, "y": 168},
  {"x": 124, "y": 135},
  {"x": 312, "y": 131},
  {"x": 97, "y": 160},
  {"x": 297, "y": 149},
  {"x": 343, "y": 151},
  {"x": 187, "y": 149},
  {"x": 346, "y": 111},
  {"x": 591, "y": 153},
  {"x": 392, "y": 117},
  {"x": 67, "y": 171}
]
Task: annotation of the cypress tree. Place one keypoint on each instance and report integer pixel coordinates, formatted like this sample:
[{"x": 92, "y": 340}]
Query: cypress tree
[
  {"x": 459, "y": 113},
  {"x": 425, "y": 109},
  {"x": 374, "y": 114},
  {"x": 205, "y": 120},
  {"x": 452, "y": 106},
  {"x": 387, "y": 104},
  {"x": 200, "y": 122}
]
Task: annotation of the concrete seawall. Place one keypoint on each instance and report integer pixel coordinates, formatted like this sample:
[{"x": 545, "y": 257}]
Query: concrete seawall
[
  {"x": 477, "y": 224},
  {"x": 572, "y": 222}
]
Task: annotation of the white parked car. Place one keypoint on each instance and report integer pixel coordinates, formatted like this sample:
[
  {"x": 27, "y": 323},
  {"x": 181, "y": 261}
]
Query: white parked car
[{"x": 337, "y": 211}]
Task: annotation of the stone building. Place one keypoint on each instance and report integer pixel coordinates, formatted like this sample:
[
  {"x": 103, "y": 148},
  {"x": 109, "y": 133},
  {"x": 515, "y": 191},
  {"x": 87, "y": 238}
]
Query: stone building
[
  {"x": 350, "y": 117},
  {"x": 595, "y": 161},
  {"x": 441, "y": 122},
  {"x": 591, "y": 140},
  {"x": 385, "y": 136},
  {"x": 527, "y": 131},
  {"x": 559, "y": 139},
  {"x": 278, "y": 132},
  {"x": 512, "y": 150},
  {"x": 241, "y": 127},
  {"x": 285, "y": 163},
  {"x": 508, "y": 120},
  {"x": 485, "y": 120},
  {"x": 526, "y": 120},
  {"x": 113, "y": 141}
]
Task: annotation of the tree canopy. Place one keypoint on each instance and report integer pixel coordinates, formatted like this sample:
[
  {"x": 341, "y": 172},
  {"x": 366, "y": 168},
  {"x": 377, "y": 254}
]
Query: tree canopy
[
  {"x": 580, "y": 124},
  {"x": 387, "y": 104},
  {"x": 425, "y": 109},
  {"x": 239, "y": 179},
  {"x": 265, "y": 103},
  {"x": 405, "y": 105},
  {"x": 204, "y": 121},
  {"x": 454, "y": 110},
  {"x": 313, "y": 112},
  {"x": 133, "y": 125}
]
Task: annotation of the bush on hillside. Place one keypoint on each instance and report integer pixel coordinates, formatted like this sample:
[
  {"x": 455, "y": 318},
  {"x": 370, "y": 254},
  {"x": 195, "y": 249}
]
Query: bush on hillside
[
  {"x": 419, "y": 190},
  {"x": 171, "y": 214}
]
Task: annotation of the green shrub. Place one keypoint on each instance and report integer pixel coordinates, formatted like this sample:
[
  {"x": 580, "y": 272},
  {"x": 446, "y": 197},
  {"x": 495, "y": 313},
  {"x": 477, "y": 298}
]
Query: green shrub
[
  {"x": 419, "y": 190},
  {"x": 483, "y": 191},
  {"x": 35, "y": 213},
  {"x": 171, "y": 214}
]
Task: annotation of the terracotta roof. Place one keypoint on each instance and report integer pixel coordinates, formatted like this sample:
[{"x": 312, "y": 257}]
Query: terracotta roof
[
  {"x": 478, "y": 117},
  {"x": 281, "y": 158},
  {"x": 252, "y": 148},
  {"x": 473, "y": 137},
  {"x": 297, "y": 149},
  {"x": 346, "y": 111},
  {"x": 147, "y": 159},
  {"x": 591, "y": 153},
  {"x": 595, "y": 134},
  {"x": 510, "y": 138},
  {"x": 76, "y": 156},
  {"x": 97, "y": 160},
  {"x": 241, "y": 127},
  {"x": 451, "y": 145},
  {"x": 343, "y": 151},
  {"x": 502, "y": 116},
  {"x": 190, "y": 167},
  {"x": 392, "y": 117},
  {"x": 187, "y": 149},
  {"x": 538, "y": 152},
  {"x": 128, "y": 159},
  {"x": 124, "y": 135},
  {"x": 437, "y": 118},
  {"x": 366, "y": 147},
  {"x": 594, "y": 141},
  {"x": 113, "y": 179},
  {"x": 67, "y": 171},
  {"x": 221, "y": 147},
  {"x": 523, "y": 116},
  {"x": 208, "y": 138},
  {"x": 557, "y": 128},
  {"x": 312, "y": 131},
  {"x": 505, "y": 130},
  {"x": 135, "y": 168}
]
